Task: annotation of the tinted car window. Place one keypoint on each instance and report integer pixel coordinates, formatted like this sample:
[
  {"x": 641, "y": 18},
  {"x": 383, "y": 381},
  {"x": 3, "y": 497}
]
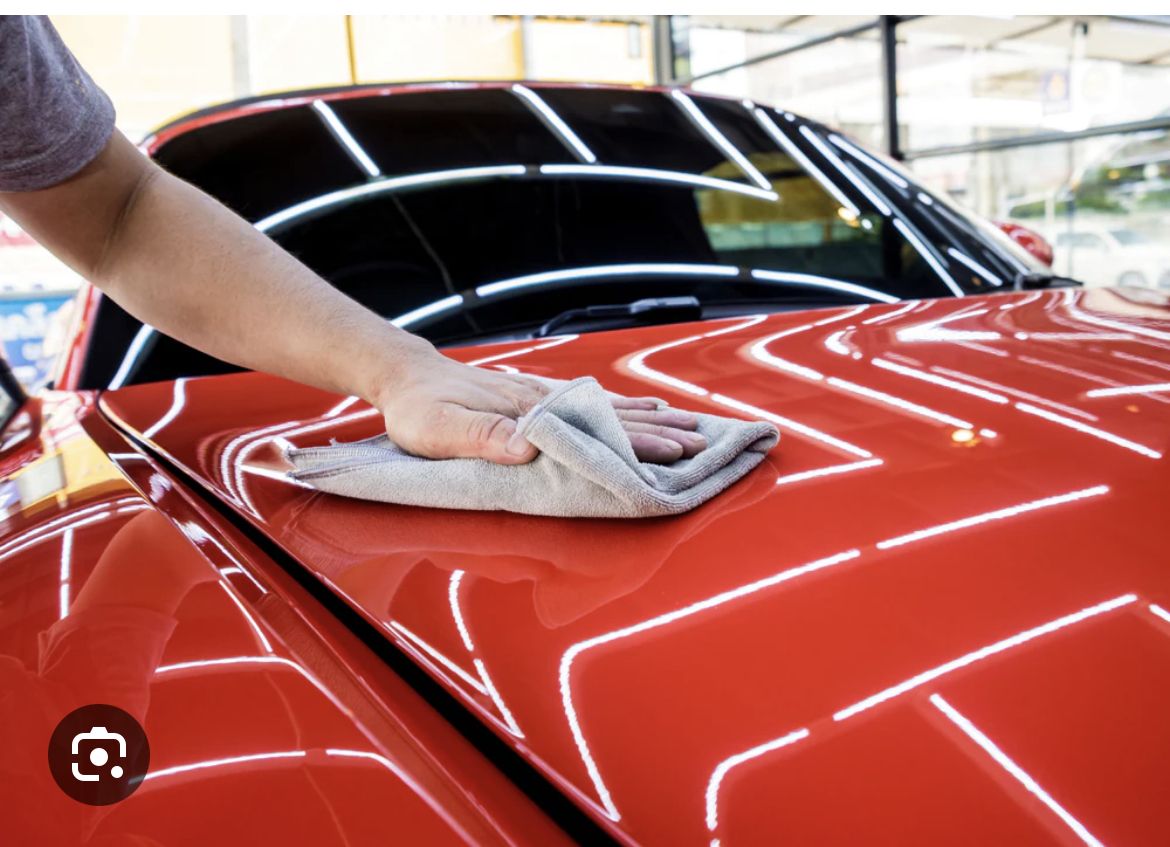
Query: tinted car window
[
  {"x": 409, "y": 133},
  {"x": 604, "y": 206},
  {"x": 262, "y": 163},
  {"x": 636, "y": 128}
]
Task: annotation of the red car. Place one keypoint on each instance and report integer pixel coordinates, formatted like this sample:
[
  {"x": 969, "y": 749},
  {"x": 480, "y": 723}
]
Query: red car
[{"x": 938, "y": 613}]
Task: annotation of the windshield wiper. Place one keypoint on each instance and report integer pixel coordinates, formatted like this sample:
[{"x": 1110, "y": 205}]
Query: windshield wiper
[
  {"x": 1025, "y": 281},
  {"x": 652, "y": 310}
]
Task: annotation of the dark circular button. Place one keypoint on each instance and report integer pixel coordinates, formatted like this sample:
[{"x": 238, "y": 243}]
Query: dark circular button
[{"x": 98, "y": 755}]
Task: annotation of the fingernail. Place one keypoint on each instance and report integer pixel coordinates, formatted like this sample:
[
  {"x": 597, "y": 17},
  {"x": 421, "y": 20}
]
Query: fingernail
[
  {"x": 517, "y": 445},
  {"x": 696, "y": 440},
  {"x": 685, "y": 418}
]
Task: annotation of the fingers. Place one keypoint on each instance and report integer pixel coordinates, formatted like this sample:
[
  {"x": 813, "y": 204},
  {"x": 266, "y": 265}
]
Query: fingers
[
  {"x": 654, "y": 448},
  {"x": 662, "y": 417},
  {"x": 689, "y": 443},
  {"x": 508, "y": 395},
  {"x": 645, "y": 403},
  {"x": 456, "y": 432}
]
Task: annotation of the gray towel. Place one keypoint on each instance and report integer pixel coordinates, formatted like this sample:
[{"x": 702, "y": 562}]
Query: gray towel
[{"x": 586, "y": 466}]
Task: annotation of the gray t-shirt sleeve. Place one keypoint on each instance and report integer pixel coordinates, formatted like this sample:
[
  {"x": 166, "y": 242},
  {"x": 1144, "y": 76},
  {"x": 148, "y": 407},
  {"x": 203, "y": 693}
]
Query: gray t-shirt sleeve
[{"x": 53, "y": 118}]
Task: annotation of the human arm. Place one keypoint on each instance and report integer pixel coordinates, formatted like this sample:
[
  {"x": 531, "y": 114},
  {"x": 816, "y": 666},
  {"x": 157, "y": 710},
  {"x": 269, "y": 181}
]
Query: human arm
[{"x": 177, "y": 259}]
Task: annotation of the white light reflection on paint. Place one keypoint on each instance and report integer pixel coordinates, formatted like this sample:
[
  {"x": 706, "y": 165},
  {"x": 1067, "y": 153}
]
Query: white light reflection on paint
[
  {"x": 794, "y": 152},
  {"x": 983, "y": 653},
  {"x": 1126, "y": 390},
  {"x": 724, "y": 767},
  {"x": 1135, "y": 329},
  {"x": 199, "y": 536},
  {"x": 495, "y": 697},
  {"x": 657, "y": 175},
  {"x": 1160, "y": 612},
  {"x": 759, "y": 351},
  {"x": 954, "y": 385},
  {"x": 788, "y": 423},
  {"x": 246, "y": 443},
  {"x": 637, "y": 365},
  {"x": 341, "y": 132},
  {"x": 877, "y": 319},
  {"x": 935, "y": 331},
  {"x": 580, "y": 647},
  {"x": 1067, "y": 371},
  {"x": 1019, "y": 774},
  {"x": 457, "y": 613},
  {"x": 834, "y": 343},
  {"x": 832, "y": 470},
  {"x": 31, "y": 539},
  {"x": 426, "y": 648},
  {"x": 523, "y": 351},
  {"x": 1015, "y": 392},
  {"x": 998, "y": 514},
  {"x": 198, "y": 666},
  {"x": 569, "y": 138},
  {"x": 265, "y": 644},
  {"x": 899, "y": 403},
  {"x": 220, "y": 763},
  {"x": 180, "y": 398},
  {"x": 1031, "y": 298},
  {"x": 1101, "y": 434},
  {"x": 1141, "y": 360},
  {"x": 637, "y": 362},
  {"x": 719, "y": 139},
  {"x": 66, "y": 572}
]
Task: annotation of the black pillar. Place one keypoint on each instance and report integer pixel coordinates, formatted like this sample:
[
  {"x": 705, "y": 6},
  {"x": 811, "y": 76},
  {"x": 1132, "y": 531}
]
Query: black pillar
[{"x": 887, "y": 28}]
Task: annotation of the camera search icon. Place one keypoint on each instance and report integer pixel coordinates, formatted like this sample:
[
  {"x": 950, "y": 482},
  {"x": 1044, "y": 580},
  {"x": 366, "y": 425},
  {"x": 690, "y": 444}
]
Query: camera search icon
[{"x": 99, "y": 754}]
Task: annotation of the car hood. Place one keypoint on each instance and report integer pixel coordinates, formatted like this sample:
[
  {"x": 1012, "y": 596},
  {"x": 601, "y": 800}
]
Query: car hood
[{"x": 937, "y": 610}]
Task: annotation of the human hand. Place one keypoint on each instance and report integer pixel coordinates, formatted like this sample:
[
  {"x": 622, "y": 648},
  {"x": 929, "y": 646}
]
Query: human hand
[{"x": 441, "y": 409}]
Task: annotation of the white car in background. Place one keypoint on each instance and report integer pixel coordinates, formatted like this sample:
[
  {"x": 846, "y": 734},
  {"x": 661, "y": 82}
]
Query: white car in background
[{"x": 1106, "y": 256}]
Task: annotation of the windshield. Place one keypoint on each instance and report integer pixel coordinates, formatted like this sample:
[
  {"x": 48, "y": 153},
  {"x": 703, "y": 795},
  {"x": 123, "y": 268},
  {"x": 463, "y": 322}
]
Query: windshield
[
  {"x": 470, "y": 214},
  {"x": 1131, "y": 238}
]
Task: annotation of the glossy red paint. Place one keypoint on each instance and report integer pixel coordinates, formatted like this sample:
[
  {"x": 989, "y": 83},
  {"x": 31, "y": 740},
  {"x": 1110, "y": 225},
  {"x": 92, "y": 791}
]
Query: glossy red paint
[
  {"x": 268, "y": 722},
  {"x": 1030, "y": 240},
  {"x": 939, "y": 611}
]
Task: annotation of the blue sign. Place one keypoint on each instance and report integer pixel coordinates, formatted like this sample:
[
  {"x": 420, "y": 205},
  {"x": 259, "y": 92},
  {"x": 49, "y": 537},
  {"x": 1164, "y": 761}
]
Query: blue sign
[{"x": 24, "y": 321}]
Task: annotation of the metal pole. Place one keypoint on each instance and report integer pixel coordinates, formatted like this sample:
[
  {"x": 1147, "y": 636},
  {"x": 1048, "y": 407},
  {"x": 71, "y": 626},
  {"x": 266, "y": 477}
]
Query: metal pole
[
  {"x": 353, "y": 78},
  {"x": 663, "y": 42},
  {"x": 526, "y": 46},
  {"x": 887, "y": 27},
  {"x": 241, "y": 57}
]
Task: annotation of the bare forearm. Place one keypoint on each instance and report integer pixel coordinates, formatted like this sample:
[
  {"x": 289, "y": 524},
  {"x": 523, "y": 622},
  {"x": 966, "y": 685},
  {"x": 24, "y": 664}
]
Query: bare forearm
[
  {"x": 180, "y": 261},
  {"x": 183, "y": 263}
]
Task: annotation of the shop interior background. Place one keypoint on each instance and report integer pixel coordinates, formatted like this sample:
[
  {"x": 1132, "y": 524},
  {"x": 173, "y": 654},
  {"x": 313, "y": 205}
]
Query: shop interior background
[{"x": 1061, "y": 124}]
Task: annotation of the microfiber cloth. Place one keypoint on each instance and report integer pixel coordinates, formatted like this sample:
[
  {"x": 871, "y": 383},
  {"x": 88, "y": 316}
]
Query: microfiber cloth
[{"x": 586, "y": 466}]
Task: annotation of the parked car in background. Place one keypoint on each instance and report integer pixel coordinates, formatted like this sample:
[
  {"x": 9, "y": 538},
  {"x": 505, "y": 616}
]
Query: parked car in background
[
  {"x": 1112, "y": 255},
  {"x": 937, "y": 612}
]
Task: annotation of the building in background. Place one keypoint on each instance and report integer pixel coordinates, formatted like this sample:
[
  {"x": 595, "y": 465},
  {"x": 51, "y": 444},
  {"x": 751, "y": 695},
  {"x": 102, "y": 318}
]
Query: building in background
[
  {"x": 1061, "y": 124},
  {"x": 159, "y": 67}
]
